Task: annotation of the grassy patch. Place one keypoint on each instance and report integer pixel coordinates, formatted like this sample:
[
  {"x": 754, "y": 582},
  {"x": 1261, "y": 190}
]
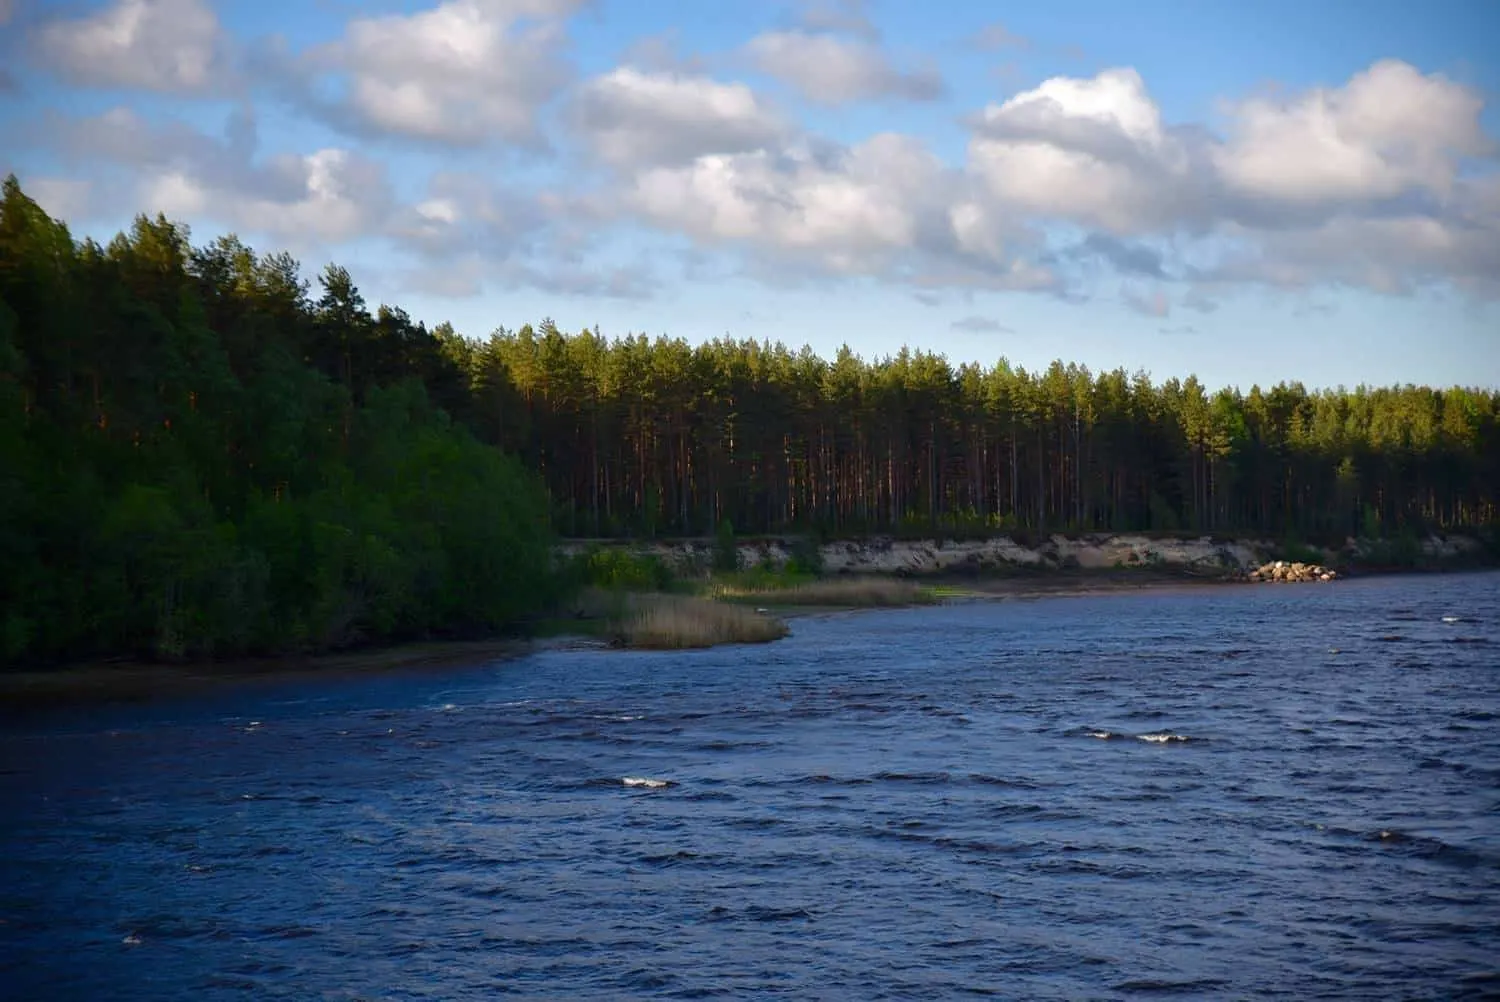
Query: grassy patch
[
  {"x": 850, "y": 592},
  {"x": 757, "y": 579},
  {"x": 676, "y": 622}
]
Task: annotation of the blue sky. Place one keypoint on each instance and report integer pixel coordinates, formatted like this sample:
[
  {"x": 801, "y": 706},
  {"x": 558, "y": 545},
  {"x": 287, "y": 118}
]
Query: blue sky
[{"x": 1248, "y": 192}]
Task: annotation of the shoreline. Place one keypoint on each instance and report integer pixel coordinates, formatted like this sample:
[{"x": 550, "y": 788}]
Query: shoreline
[
  {"x": 114, "y": 682},
  {"x": 99, "y": 682}
]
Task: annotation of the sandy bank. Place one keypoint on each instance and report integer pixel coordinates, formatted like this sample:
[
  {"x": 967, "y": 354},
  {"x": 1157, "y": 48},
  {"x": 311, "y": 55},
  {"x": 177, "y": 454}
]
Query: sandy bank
[{"x": 1058, "y": 552}]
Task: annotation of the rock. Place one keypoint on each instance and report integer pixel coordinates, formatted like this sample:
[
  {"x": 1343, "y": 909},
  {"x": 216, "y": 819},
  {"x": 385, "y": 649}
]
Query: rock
[{"x": 1280, "y": 571}]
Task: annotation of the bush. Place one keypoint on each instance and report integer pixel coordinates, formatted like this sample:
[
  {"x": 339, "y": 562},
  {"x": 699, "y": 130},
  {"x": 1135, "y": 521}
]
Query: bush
[
  {"x": 619, "y": 569},
  {"x": 1293, "y": 550},
  {"x": 806, "y": 557}
]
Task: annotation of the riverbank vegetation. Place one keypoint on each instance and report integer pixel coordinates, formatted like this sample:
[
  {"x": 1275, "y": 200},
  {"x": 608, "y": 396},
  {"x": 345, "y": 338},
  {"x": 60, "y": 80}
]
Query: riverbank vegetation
[
  {"x": 204, "y": 456},
  {"x": 636, "y": 600},
  {"x": 676, "y": 622},
  {"x": 861, "y": 592}
]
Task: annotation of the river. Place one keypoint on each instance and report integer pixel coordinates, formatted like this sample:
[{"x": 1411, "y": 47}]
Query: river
[{"x": 1237, "y": 791}]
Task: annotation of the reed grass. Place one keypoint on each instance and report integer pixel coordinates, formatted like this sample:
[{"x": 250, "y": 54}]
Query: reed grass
[{"x": 676, "y": 622}]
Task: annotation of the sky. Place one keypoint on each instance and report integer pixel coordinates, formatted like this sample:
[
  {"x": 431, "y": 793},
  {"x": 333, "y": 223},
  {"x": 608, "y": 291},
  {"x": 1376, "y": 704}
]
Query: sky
[{"x": 1250, "y": 193}]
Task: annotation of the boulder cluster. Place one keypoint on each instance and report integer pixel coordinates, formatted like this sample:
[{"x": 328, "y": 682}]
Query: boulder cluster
[{"x": 1282, "y": 570}]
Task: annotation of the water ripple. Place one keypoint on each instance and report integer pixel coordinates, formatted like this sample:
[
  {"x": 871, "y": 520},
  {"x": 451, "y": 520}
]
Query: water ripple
[{"x": 1230, "y": 792}]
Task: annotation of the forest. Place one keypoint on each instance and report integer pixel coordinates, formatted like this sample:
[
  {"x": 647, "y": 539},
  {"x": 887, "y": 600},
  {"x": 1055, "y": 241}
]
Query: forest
[{"x": 201, "y": 455}]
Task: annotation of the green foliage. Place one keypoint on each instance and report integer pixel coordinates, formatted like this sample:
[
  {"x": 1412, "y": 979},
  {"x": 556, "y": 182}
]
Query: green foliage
[
  {"x": 200, "y": 455},
  {"x": 637, "y": 435},
  {"x": 619, "y": 569},
  {"x": 196, "y": 461},
  {"x": 726, "y": 549},
  {"x": 1402, "y": 550},
  {"x": 760, "y": 578},
  {"x": 806, "y": 557},
  {"x": 1295, "y": 551}
]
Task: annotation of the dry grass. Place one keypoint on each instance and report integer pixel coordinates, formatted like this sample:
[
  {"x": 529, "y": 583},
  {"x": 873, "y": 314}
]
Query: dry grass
[
  {"x": 674, "y": 622},
  {"x": 853, "y": 592}
]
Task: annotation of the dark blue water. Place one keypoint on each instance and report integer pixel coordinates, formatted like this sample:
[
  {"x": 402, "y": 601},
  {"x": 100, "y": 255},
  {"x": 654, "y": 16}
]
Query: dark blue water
[{"x": 1172, "y": 793}]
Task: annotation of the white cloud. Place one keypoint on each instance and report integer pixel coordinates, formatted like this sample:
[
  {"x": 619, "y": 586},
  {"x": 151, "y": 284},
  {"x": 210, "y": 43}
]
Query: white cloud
[
  {"x": 886, "y": 207},
  {"x": 847, "y": 209},
  {"x": 329, "y": 195},
  {"x": 631, "y": 117},
  {"x": 1388, "y": 131},
  {"x": 335, "y": 196},
  {"x": 1387, "y": 182},
  {"x": 158, "y": 45},
  {"x": 463, "y": 72},
  {"x": 830, "y": 70},
  {"x": 1094, "y": 151},
  {"x": 1380, "y": 183}
]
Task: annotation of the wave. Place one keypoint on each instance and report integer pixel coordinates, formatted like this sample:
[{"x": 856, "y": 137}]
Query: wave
[
  {"x": 1153, "y": 737},
  {"x": 646, "y": 782}
]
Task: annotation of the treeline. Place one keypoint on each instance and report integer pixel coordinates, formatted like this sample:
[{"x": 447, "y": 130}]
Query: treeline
[
  {"x": 197, "y": 456},
  {"x": 198, "y": 459},
  {"x": 637, "y": 436}
]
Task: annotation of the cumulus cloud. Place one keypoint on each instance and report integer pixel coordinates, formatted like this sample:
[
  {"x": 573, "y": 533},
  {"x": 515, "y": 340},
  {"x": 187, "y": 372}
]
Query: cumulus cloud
[
  {"x": 329, "y": 195},
  {"x": 1092, "y": 150},
  {"x": 463, "y": 234},
  {"x": 830, "y": 70},
  {"x": 1077, "y": 186},
  {"x": 464, "y": 72},
  {"x": 632, "y": 117},
  {"x": 883, "y": 207},
  {"x": 1388, "y": 131},
  {"x": 172, "y": 46},
  {"x": 1381, "y": 183}
]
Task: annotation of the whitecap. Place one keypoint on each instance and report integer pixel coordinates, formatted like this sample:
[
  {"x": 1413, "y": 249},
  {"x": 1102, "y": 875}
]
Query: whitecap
[
  {"x": 1163, "y": 737},
  {"x": 1102, "y": 735},
  {"x": 648, "y": 783},
  {"x": 1453, "y": 619}
]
